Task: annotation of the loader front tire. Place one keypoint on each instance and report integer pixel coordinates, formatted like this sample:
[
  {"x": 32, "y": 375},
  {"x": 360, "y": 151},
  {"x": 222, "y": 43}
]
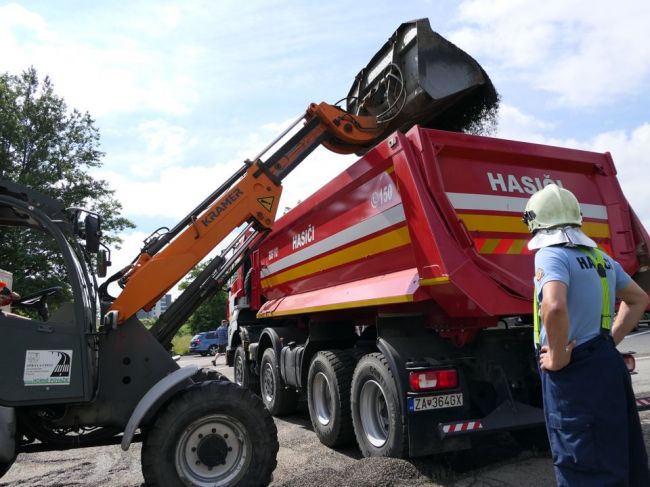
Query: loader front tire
[
  {"x": 212, "y": 434},
  {"x": 206, "y": 374}
]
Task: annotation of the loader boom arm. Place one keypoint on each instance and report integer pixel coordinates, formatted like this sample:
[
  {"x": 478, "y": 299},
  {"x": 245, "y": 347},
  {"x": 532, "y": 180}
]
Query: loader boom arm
[
  {"x": 416, "y": 77},
  {"x": 251, "y": 196}
]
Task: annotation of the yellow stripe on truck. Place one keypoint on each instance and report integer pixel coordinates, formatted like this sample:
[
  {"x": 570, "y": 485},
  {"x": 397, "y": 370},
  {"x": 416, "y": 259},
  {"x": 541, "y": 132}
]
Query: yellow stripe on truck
[
  {"x": 513, "y": 224},
  {"x": 434, "y": 281},
  {"x": 408, "y": 298},
  {"x": 382, "y": 243}
]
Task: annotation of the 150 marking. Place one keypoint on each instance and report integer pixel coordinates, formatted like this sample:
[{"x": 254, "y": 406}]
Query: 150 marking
[{"x": 382, "y": 196}]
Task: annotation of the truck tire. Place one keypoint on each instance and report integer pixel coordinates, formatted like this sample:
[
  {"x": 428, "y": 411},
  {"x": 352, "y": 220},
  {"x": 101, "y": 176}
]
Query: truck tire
[
  {"x": 242, "y": 373},
  {"x": 213, "y": 433},
  {"x": 328, "y": 396},
  {"x": 276, "y": 397},
  {"x": 379, "y": 426}
]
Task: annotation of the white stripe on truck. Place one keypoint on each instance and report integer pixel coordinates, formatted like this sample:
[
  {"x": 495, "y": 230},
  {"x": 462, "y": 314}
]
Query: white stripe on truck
[
  {"x": 471, "y": 201},
  {"x": 367, "y": 227}
]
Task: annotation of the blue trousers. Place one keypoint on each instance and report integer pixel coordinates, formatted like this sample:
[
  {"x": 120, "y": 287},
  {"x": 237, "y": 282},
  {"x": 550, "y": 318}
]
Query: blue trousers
[{"x": 592, "y": 422}]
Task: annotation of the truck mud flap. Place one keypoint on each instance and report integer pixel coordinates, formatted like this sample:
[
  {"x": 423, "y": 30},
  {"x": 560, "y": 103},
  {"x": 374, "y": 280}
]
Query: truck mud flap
[
  {"x": 643, "y": 403},
  {"x": 507, "y": 416}
]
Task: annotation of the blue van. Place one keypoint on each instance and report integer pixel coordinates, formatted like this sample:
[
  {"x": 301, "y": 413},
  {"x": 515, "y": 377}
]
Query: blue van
[{"x": 204, "y": 343}]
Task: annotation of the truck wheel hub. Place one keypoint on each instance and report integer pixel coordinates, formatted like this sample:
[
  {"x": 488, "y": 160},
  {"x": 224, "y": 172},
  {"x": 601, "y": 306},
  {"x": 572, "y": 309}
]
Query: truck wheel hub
[
  {"x": 268, "y": 383},
  {"x": 212, "y": 451}
]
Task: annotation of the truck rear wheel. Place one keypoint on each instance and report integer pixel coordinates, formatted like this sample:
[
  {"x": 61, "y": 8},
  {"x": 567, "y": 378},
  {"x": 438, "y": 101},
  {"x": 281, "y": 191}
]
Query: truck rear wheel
[
  {"x": 242, "y": 373},
  {"x": 376, "y": 414},
  {"x": 328, "y": 396},
  {"x": 212, "y": 434},
  {"x": 276, "y": 397}
]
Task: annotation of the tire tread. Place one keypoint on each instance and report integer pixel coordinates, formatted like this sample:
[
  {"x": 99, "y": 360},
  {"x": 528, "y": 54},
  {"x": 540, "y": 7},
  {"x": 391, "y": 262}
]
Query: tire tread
[
  {"x": 286, "y": 401},
  {"x": 250, "y": 380},
  {"x": 397, "y": 450},
  {"x": 343, "y": 363}
]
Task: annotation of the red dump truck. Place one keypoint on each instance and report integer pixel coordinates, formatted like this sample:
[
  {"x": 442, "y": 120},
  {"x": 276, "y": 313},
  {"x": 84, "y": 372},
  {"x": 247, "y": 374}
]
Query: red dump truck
[{"x": 397, "y": 298}]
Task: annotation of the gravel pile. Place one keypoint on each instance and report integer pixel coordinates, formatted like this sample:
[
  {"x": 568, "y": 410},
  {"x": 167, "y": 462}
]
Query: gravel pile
[{"x": 367, "y": 472}]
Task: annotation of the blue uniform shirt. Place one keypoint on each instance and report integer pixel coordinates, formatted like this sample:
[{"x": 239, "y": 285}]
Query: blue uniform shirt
[
  {"x": 222, "y": 335},
  {"x": 578, "y": 271}
]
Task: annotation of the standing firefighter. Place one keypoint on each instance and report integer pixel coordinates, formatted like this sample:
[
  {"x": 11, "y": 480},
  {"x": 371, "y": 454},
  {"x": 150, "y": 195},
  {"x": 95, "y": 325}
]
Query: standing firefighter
[
  {"x": 222, "y": 341},
  {"x": 591, "y": 418}
]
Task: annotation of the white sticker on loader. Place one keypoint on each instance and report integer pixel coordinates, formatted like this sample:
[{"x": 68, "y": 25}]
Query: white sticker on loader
[{"x": 47, "y": 367}]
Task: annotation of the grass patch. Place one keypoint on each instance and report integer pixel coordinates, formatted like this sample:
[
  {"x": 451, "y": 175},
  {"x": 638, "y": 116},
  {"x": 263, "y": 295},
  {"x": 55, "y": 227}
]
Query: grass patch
[{"x": 181, "y": 344}]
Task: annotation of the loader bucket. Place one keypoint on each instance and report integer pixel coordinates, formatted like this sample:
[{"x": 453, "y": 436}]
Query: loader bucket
[{"x": 419, "y": 77}]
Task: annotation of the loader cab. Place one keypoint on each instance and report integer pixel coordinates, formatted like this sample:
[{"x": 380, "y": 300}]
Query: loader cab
[{"x": 51, "y": 356}]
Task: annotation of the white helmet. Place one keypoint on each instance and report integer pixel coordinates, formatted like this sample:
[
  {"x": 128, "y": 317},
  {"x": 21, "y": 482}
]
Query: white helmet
[{"x": 552, "y": 207}]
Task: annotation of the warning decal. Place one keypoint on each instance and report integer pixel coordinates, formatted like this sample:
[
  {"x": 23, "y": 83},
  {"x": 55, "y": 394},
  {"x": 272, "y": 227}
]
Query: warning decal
[
  {"x": 47, "y": 367},
  {"x": 266, "y": 202}
]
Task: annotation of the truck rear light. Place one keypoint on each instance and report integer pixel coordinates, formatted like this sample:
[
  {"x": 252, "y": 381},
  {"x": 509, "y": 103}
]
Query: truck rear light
[
  {"x": 432, "y": 380},
  {"x": 630, "y": 362}
]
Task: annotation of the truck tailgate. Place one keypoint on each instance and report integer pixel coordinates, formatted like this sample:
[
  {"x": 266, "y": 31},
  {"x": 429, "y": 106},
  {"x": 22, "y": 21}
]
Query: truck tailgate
[{"x": 476, "y": 190}]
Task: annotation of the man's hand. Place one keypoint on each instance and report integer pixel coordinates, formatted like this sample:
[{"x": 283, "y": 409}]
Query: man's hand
[{"x": 552, "y": 361}]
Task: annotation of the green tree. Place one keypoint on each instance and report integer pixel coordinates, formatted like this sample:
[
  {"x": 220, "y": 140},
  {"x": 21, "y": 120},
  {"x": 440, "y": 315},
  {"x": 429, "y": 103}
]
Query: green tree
[
  {"x": 209, "y": 314},
  {"x": 51, "y": 148}
]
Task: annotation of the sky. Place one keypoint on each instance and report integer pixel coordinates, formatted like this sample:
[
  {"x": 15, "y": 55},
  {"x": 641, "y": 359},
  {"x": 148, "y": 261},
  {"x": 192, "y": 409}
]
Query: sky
[{"x": 183, "y": 91}]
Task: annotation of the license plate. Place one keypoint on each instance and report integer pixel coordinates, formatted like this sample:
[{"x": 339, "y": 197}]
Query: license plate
[{"x": 425, "y": 403}]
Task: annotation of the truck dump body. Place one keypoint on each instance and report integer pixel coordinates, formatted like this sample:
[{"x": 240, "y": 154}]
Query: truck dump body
[
  {"x": 431, "y": 221},
  {"x": 389, "y": 284}
]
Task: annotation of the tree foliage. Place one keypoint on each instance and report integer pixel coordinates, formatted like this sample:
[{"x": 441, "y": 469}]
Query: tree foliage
[
  {"x": 50, "y": 148},
  {"x": 209, "y": 314}
]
